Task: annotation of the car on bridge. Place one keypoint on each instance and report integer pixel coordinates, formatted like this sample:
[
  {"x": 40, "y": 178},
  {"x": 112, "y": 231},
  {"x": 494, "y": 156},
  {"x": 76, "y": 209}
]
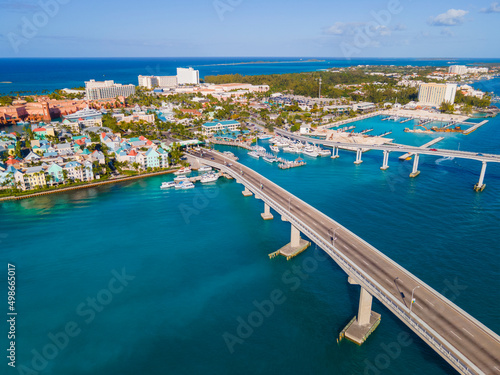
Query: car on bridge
[{"x": 433, "y": 149}]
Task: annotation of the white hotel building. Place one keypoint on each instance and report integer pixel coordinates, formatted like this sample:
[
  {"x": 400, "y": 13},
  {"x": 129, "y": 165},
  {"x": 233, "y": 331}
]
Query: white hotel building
[
  {"x": 188, "y": 76},
  {"x": 107, "y": 89},
  {"x": 434, "y": 94}
]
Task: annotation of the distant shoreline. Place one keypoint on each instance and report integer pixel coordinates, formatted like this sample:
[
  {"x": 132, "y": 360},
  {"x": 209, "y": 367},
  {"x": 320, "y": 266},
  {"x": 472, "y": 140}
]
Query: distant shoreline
[{"x": 266, "y": 62}]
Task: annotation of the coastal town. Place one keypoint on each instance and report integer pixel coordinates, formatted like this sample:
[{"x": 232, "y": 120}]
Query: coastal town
[{"x": 109, "y": 131}]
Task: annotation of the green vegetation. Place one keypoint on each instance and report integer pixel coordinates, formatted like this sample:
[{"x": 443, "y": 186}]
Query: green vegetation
[{"x": 472, "y": 101}]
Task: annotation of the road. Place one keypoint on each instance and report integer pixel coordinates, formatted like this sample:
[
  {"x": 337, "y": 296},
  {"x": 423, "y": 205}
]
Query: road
[{"x": 453, "y": 328}]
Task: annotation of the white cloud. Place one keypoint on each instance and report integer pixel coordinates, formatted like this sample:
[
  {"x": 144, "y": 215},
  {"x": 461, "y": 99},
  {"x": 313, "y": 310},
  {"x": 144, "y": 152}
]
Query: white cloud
[
  {"x": 493, "y": 8},
  {"x": 400, "y": 27},
  {"x": 452, "y": 17},
  {"x": 343, "y": 28}
]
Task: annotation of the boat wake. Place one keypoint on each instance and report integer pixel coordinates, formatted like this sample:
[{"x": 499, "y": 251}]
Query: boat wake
[{"x": 439, "y": 161}]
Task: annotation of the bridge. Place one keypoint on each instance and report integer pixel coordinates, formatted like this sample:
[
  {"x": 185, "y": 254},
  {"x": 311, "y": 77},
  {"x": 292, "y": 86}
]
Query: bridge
[
  {"x": 466, "y": 344},
  {"x": 388, "y": 148}
]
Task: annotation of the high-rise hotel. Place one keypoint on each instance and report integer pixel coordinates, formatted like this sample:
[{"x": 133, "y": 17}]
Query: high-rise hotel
[
  {"x": 434, "y": 94},
  {"x": 107, "y": 89}
]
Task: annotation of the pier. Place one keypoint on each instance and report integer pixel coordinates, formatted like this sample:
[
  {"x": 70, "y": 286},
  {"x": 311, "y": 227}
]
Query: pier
[
  {"x": 426, "y": 145},
  {"x": 474, "y": 127},
  {"x": 447, "y": 329}
]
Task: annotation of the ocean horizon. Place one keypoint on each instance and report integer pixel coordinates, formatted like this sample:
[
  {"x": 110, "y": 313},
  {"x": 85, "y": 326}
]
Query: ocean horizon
[{"x": 34, "y": 75}]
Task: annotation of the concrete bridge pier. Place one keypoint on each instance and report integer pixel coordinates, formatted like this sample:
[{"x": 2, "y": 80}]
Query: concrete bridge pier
[
  {"x": 267, "y": 215},
  {"x": 415, "y": 172},
  {"x": 359, "y": 153},
  {"x": 481, "y": 185},
  {"x": 246, "y": 192},
  {"x": 295, "y": 247},
  {"x": 335, "y": 153},
  {"x": 385, "y": 163},
  {"x": 362, "y": 325}
]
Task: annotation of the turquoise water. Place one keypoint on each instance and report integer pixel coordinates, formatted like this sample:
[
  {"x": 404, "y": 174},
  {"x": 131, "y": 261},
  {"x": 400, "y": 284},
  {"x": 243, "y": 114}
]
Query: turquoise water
[{"x": 198, "y": 260}]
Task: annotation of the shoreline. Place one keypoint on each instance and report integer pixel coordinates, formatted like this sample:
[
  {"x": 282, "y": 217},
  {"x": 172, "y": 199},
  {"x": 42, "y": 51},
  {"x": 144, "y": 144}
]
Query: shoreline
[{"x": 85, "y": 186}]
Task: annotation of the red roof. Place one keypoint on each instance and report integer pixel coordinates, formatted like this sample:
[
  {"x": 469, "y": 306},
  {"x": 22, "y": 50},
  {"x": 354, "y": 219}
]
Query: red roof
[
  {"x": 132, "y": 153},
  {"x": 13, "y": 133},
  {"x": 149, "y": 143},
  {"x": 142, "y": 138},
  {"x": 40, "y": 130},
  {"x": 103, "y": 134}
]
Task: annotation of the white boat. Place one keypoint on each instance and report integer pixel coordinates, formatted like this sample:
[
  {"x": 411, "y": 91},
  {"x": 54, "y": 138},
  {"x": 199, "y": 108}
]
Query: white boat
[
  {"x": 264, "y": 136},
  {"x": 254, "y": 154},
  {"x": 291, "y": 149},
  {"x": 310, "y": 151},
  {"x": 181, "y": 179},
  {"x": 209, "y": 177},
  {"x": 167, "y": 184},
  {"x": 258, "y": 148},
  {"x": 228, "y": 154},
  {"x": 274, "y": 148},
  {"x": 323, "y": 152},
  {"x": 183, "y": 170},
  {"x": 281, "y": 143},
  {"x": 205, "y": 168},
  {"x": 269, "y": 160},
  {"x": 184, "y": 185}
]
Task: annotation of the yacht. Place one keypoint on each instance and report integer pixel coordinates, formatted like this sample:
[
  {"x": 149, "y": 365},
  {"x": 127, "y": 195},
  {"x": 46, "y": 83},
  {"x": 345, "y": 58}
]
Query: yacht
[
  {"x": 274, "y": 148},
  {"x": 281, "y": 143},
  {"x": 291, "y": 149},
  {"x": 181, "y": 179},
  {"x": 209, "y": 177},
  {"x": 264, "y": 136},
  {"x": 167, "y": 184},
  {"x": 322, "y": 152},
  {"x": 270, "y": 159},
  {"x": 258, "y": 148},
  {"x": 183, "y": 170},
  {"x": 205, "y": 168},
  {"x": 254, "y": 154},
  {"x": 310, "y": 151},
  {"x": 184, "y": 185}
]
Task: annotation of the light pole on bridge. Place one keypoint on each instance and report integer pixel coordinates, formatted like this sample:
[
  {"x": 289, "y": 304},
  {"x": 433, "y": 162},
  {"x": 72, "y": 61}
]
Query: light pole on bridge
[{"x": 412, "y": 299}]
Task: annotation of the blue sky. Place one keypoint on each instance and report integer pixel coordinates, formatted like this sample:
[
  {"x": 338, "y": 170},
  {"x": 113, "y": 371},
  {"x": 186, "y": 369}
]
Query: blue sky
[{"x": 323, "y": 28}]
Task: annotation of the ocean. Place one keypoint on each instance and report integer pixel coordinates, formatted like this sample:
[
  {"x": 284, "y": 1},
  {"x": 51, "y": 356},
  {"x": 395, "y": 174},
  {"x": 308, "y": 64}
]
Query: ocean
[{"x": 36, "y": 74}]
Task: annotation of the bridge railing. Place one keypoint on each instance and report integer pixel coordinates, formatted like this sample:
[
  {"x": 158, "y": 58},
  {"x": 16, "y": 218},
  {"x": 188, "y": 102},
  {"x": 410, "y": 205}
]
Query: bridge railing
[{"x": 376, "y": 290}]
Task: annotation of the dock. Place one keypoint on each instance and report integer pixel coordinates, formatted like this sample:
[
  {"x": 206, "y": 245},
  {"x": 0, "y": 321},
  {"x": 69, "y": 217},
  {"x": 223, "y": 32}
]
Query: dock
[
  {"x": 428, "y": 144},
  {"x": 475, "y": 127},
  {"x": 289, "y": 251}
]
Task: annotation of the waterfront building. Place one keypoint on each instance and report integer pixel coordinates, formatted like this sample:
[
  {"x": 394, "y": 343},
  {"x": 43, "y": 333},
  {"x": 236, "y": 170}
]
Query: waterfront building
[
  {"x": 148, "y": 81},
  {"x": 434, "y": 94},
  {"x": 30, "y": 178},
  {"x": 167, "y": 81},
  {"x": 78, "y": 171},
  {"x": 457, "y": 69},
  {"x": 107, "y": 89},
  {"x": 151, "y": 82},
  {"x": 56, "y": 173},
  {"x": 188, "y": 76},
  {"x": 152, "y": 159},
  {"x": 7, "y": 176},
  {"x": 219, "y": 126}
]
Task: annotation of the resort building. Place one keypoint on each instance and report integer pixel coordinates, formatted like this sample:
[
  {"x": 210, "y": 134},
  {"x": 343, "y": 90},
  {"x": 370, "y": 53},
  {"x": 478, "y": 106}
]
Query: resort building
[
  {"x": 188, "y": 76},
  {"x": 434, "y": 94},
  {"x": 107, "y": 89},
  {"x": 219, "y": 126},
  {"x": 148, "y": 81},
  {"x": 457, "y": 69},
  {"x": 86, "y": 117},
  {"x": 30, "y": 178}
]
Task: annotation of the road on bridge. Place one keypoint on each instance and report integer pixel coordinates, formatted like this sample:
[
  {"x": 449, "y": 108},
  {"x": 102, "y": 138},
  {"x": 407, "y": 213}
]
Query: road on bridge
[{"x": 460, "y": 331}]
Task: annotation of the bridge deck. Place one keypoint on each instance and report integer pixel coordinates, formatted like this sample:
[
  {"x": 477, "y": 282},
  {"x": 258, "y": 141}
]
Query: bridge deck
[
  {"x": 428, "y": 144},
  {"x": 469, "y": 346}
]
